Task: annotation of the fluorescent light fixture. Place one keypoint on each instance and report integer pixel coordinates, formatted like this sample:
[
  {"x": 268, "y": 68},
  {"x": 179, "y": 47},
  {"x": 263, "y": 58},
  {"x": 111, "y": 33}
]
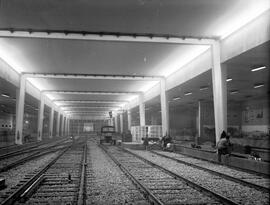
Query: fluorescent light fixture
[
  {"x": 258, "y": 85},
  {"x": 176, "y": 98},
  {"x": 188, "y": 93},
  {"x": 204, "y": 87},
  {"x": 234, "y": 91},
  {"x": 258, "y": 68},
  {"x": 229, "y": 79},
  {"x": 5, "y": 95}
]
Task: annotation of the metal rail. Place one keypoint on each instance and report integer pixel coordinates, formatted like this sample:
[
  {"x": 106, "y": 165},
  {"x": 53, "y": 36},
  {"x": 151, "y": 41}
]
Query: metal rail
[
  {"x": 28, "y": 158},
  {"x": 208, "y": 192},
  {"x": 81, "y": 195},
  {"x": 17, "y": 194},
  {"x": 26, "y": 149},
  {"x": 147, "y": 193},
  {"x": 246, "y": 183}
]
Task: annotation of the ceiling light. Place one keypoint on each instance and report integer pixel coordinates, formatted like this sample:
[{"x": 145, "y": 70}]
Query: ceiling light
[
  {"x": 203, "y": 87},
  {"x": 229, "y": 79},
  {"x": 234, "y": 91},
  {"x": 176, "y": 98},
  {"x": 5, "y": 95},
  {"x": 188, "y": 93},
  {"x": 258, "y": 85},
  {"x": 258, "y": 68}
]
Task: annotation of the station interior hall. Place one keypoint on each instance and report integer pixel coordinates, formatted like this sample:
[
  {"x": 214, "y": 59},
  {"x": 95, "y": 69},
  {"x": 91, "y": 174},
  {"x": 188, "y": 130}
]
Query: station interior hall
[{"x": 98, "y": 77}]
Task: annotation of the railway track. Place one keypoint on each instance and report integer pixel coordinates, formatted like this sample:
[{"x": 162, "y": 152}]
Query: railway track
[
  {"x": 106, "y": 183},
  {"x": 256, "y": 181},
  {"x": 237, "y": 192},
  {"x": 12, "y": 162},
  {"x": 160, "y": 185},
  {"x": 29, "y": 149},
  {"x": 59, "y": 182}
]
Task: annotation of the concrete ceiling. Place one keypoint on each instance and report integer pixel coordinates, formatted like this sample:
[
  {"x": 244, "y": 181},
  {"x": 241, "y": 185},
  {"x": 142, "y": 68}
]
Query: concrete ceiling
[{"x": 199, "y": 18}]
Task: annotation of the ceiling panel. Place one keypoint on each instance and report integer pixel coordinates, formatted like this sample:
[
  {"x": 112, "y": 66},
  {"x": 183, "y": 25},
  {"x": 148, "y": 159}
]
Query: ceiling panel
[{"x": 204, "y": 17}]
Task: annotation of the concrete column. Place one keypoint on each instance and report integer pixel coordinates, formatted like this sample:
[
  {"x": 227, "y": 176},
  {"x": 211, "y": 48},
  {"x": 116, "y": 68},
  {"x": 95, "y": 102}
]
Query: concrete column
[
  {"x": 20, "y": 95},
  {"x": 116, "y": 123},
  {"x": 142, "y": 110},
  {"x": 219, "y": 76},
  {"x": 164, "y": 107},
  {"x": 121, "y": 123},
  {"x": 129, "y": 119},
  {"x": 68, "y": 121},
  {"x": 40, "y": 117},
  {"x": 58, "y": 124},
  {"x": 51, "y": 123},
  {"x": 78, "y": 127},
  {"x": 63, "y": 125},
  {"x": 199, "y": 123}
]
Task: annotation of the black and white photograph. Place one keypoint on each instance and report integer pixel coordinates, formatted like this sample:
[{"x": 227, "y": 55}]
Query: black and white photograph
[{"x": 134, "y": 102}]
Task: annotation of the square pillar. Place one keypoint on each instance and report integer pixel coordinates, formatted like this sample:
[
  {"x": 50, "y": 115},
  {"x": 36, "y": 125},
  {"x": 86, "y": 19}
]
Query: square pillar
[
  {"x": 58, "y": 124},
  {"x": 20, "y": 96},
  {"x": 40, "y": 117},
  {"x": 51, "y": 123},
  {"x": 219, "y": 76},
  {"x": 164, "y": 108},
  {"x": 129, "y": 119},
  {"x": 121, "y": 123},
  {"x": 116, "y": 123},
  {"x": 142, "y": 110},
  {"x": 63, "y": 124}
]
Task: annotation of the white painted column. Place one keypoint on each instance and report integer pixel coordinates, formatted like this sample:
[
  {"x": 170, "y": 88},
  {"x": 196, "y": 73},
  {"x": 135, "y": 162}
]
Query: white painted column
[
  {"x": 40, "y": 117},
  {"x": 51, "y": 123},
  {"x": 129, "y": 119},
  {"x": 219, "y": 91},
  {"x": 121, "y": 123},
  {"x": 68, "y": 122},
  {"x": 58, "y": 124},
  {"x": 142, "y": 110},
  {"x": 164, "y": 108},
  {"x": 20, "y": 96},
  {"x": 199, "y": 122},
  {"x": 63, "y": 123},
  {"x": 116, "y": 123}
]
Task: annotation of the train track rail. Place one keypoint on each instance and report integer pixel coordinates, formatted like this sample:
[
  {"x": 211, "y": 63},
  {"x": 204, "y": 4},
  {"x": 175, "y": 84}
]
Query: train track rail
[
  {"x": 58, "y": 182},
  {"x": 247, "y": 179},
  {"x": 25, "y": 150},
  {"x": 160, "y": 185},
  {"x": 16, "y": 161},
  {"x": 232, "y": 190}
]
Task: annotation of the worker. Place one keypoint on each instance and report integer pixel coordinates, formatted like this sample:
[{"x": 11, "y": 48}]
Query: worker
[
  {"x": 224, "y": 145},
  {"x": 146, "y": 143}
]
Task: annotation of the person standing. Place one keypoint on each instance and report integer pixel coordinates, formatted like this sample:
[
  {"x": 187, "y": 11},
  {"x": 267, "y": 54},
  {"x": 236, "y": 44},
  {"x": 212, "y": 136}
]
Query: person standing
[
  {"x": 146, "y": 143},
  {"x": 223, "y": 145}
]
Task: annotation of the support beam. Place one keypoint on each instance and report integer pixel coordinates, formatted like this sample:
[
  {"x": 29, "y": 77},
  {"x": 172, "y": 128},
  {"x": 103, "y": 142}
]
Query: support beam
[
  {"x": 90, "y": 101},
  {"x": 129, "y": 119},
  {"x": 58, "y": 124},
  {"x": 20, "y": 96},
  {"x": 104, "y": 36},
  {"x": 63, "y": 124},
  {"x": 40, "y": 117},
  {"x": 89, "y": 92},
  {"x": 199, "y": 123},
  {"x": 164, "y": 108},
  {"x": 121, "y": 123},
  {"x": 92, "y": 76},
  {"x": 116, "y": 123},
  {"x": 219, "y": 76},
  {"x": 51, "y": 123},
  {"x": 64, "y": 107},
  {"x": 142, "y": 110}
]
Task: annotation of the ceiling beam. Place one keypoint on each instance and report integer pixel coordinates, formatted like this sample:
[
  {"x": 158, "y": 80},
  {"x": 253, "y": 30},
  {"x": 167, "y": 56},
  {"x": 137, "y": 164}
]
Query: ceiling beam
[
  {"x": 106, "y": 36},
  {"x": 91, "y": 101},
  {"x": 90, "y": 92},
  {"x": 91, "y": 76},
  {"x": 83, "y": 107}
]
